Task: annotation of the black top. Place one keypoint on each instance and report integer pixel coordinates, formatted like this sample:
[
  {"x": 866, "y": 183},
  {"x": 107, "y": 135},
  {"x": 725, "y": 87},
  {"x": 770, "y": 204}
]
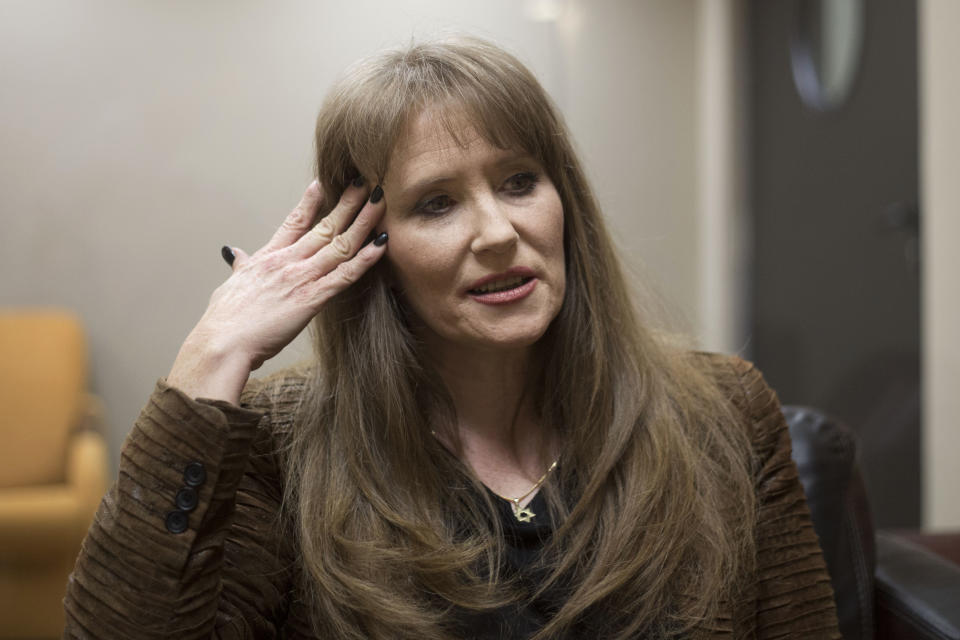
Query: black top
[{"x": 523, "y": 542}]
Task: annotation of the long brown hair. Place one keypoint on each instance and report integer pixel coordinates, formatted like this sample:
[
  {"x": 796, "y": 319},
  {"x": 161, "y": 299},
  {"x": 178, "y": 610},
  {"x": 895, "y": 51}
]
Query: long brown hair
[{"x": 653, "y": 498}]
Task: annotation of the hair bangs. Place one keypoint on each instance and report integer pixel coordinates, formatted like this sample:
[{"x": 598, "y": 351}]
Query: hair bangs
[{"x": 368, "y": 114}]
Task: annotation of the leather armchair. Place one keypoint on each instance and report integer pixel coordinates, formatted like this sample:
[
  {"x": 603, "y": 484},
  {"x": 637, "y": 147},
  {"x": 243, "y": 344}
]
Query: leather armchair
[
  {"x": 887, "y": 585},
  {"x": 53, "y": 466}
]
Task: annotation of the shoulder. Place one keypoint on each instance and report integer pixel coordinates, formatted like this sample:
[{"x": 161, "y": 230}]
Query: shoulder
[
  {"x": 748, "y": 392},
  {"x": 738, "y": 378}
]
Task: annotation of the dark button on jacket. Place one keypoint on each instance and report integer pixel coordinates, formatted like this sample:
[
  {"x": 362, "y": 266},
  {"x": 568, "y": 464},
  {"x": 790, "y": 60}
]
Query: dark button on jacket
[
  {"x": 195, "y": 474},
  {"x": 176, "y": 521},
  {"x": 186, "y": 499}
]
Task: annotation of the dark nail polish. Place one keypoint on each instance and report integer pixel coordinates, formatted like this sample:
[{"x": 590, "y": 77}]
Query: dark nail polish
[
  {"x": 228, "y": 255},
  {"x": 357, "y": 182},
  {"x": 381, "y": 239},
  {"x": 376, "y": 195}
]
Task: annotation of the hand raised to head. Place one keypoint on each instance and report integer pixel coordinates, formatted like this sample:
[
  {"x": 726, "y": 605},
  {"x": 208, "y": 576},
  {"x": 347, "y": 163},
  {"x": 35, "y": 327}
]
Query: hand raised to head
[{"x": 274, "y": 293}]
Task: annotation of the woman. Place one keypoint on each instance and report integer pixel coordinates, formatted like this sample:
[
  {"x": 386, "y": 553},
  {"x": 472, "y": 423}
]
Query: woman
[{"x": 489, "y": 445}]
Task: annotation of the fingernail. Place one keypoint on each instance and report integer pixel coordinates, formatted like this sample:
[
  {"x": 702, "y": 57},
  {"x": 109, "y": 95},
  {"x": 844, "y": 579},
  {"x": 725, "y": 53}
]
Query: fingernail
[
  {"x": 376, "y": 195},
  {"x": 228, "y": 255},
  {"x": 381, "y": 239},
  {"x": 358, "y": 181}
]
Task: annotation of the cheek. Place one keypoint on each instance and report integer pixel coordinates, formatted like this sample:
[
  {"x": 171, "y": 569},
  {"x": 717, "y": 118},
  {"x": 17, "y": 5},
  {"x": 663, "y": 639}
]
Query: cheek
[
  {"x": 549, "y": 232},
  {"x": 419, "y": 265},
  {"x": 557, "y": 237},
  {"x": 553, "y": 234}
]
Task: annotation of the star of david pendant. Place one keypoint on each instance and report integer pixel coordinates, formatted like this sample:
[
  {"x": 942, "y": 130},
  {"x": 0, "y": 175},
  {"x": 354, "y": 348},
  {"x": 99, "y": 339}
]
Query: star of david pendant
[{"x": 523, "y": 514}]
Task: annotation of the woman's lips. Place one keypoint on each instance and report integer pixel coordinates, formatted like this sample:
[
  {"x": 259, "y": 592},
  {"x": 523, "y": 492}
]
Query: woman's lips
[
  {"x": 506, "y": 296},
  {"x": 514, "y": 272}
]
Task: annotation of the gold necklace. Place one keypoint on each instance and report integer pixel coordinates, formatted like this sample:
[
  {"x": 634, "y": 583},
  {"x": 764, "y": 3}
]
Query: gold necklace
[
  {"x": 525, "y": 514},
  {"x": 522, "y": 514}
]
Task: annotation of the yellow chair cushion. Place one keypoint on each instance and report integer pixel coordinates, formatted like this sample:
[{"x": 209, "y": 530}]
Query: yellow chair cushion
[{"x": 43, "y": 364}]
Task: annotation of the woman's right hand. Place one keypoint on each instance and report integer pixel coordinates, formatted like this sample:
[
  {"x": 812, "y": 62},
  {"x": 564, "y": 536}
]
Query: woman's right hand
[{"x": 273, "y": 294}]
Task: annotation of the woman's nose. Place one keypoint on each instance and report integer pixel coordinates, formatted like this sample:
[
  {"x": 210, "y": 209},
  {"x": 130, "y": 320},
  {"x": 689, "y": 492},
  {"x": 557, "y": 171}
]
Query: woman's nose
[{"x": 493, "y": 230}]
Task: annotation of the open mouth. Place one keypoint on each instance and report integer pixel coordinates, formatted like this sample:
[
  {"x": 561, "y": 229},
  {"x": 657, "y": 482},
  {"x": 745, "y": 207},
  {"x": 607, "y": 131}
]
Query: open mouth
[{"x": 502, "y": 285}]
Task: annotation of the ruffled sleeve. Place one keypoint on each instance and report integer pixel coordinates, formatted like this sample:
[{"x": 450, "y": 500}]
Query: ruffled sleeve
[
  {"x": 185, "y": 543},
  {"x": 794, "y": 598}
]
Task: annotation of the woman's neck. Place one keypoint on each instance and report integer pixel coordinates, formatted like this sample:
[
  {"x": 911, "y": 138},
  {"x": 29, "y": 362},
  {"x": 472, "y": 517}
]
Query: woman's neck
[{"x": 500, "y": 434}]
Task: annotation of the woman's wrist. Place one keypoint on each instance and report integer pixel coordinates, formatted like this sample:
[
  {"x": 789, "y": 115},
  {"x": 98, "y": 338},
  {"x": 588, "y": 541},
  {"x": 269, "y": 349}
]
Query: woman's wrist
[{"x": 204, "y": 369}]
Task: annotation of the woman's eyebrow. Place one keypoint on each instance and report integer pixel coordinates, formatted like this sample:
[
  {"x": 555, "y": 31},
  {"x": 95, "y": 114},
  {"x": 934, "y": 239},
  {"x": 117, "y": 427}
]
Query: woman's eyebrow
[
  {"x": 503, "y": 160},
  {"x": 426, "y": 183}
]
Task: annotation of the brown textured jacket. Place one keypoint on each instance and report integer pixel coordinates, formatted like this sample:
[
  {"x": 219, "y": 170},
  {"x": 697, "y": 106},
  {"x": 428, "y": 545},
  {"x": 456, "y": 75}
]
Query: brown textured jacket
[{"x": 229, "y": 574}]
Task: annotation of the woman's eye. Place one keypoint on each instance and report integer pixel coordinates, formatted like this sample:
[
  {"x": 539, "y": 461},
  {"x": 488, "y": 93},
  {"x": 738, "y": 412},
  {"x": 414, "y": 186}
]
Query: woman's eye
[
  {"x": 521, "y": 183},
  {"x": 435, "y": 205}
]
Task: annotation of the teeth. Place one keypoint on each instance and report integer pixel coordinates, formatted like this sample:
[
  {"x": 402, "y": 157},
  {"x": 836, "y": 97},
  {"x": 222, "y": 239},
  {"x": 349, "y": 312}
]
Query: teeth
[{"x": 500, "y": 285}]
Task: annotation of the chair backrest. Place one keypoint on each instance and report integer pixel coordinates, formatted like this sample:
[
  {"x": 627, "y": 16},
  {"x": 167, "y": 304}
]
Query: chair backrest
[
  {"x": 825, "y": 451},
  {"x": 43, "y": 372}
]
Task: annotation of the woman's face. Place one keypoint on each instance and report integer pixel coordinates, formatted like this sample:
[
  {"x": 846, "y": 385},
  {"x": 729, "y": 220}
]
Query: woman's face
[{"x": 476, "y": 238}]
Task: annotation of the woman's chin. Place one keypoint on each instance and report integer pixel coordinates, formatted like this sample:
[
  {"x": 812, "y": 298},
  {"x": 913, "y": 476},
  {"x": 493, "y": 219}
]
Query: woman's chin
[
  {"x": 505, "y": 335},
  {"x": 509, "y": 340}
]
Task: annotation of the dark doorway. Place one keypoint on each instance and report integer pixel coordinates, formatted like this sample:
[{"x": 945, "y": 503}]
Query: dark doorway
[{"x": 835, "y": 280}]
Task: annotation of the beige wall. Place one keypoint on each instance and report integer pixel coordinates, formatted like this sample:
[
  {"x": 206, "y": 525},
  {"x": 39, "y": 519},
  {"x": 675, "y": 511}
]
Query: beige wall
[
  {"x": 723, "y": 217},
  {"x": 630, "y": 96},
  {"x": 138, "y": 137},
  {"x": 940, "y": 197}
]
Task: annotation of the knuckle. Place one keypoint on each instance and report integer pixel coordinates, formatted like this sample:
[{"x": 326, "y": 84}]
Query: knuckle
[
  {"x": 291, "y": 275},
  {"x": 348, "y": 272},
  {"x": 271, "y": 261},
  {"x": 302, "y": 295},
  {"x": 324, "y": 230},
  {"x": 340, "y": 246},
  {"x": 297, "y": 219}
]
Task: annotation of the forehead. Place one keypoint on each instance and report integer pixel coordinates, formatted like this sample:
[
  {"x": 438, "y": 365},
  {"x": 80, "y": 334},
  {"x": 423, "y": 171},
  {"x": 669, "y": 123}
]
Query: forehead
[{"x": 433, "y": 139}]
